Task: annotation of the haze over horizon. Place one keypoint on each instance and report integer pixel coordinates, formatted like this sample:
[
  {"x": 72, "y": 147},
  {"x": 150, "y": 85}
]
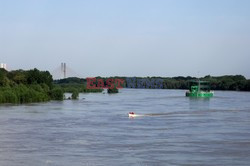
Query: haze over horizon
[{"x": 127, "y": 38}]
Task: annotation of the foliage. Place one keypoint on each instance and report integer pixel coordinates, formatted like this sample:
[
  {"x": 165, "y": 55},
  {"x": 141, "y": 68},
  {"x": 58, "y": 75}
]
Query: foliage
[
  {"x": 113, "y": 90},
  {"x": 227, "y": 82},
  {"x": 81, "y": 88},
  {"x": 70, "y": 80},
  {"x": 22, "y": 94},
  {"x": 21, "y": 86},
  {"x": 75, "y": 94},
  {"x": 57, "y": 93}
]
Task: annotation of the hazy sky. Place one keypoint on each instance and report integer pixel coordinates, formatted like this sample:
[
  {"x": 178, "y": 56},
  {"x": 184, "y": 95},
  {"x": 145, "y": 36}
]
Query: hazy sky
[{"x": 127, "y": 37}]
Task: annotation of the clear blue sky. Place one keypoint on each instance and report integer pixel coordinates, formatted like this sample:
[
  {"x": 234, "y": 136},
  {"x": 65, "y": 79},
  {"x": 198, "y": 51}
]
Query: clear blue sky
[{"x": 127, "y": 37}]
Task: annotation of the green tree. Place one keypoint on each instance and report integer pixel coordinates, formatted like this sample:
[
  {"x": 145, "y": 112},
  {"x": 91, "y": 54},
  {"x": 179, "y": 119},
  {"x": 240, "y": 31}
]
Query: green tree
[
  {"x": 4, "y": 81},
  {"x": 113, "y": 90},
  {"x": 56, "y": 94},
  {"x": 75, "y": 94}
]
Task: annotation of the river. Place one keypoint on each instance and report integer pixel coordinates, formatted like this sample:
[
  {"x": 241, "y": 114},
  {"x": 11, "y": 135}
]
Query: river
[{"x": 96, "y": 130}]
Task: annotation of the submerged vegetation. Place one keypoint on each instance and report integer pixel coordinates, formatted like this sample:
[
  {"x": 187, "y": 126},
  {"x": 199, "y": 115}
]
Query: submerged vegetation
[
  {"x": 21, "y": 86},
  {"x": 113, "y": 90},
  {"x": 75, "y": 94},
  {"x": 81, "y": 88}
]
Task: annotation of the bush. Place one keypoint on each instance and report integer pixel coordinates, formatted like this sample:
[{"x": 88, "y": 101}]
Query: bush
[
  {"x": 21, "y": 86},
  {"x": 8, "y": 96},
  {"x": 75, "y": 94},
  {"x": 56, "y": 94},
  {"x": 113, "y": 90}
]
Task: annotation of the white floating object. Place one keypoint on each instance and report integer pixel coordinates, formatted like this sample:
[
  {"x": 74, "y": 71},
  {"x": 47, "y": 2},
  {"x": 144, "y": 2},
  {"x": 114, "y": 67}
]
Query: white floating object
[{"x": 132, "y": 115}]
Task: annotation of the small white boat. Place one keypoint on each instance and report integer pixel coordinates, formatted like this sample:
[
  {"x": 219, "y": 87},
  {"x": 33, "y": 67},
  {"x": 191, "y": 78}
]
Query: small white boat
[{"x": 132, "y": 115}]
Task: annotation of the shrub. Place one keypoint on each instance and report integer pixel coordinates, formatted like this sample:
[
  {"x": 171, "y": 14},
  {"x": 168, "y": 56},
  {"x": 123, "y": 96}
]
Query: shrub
[
  {"x": 56, "y": 94},
  {"x": 113, "y": 90},
  {"x": 75, "y": 94}
]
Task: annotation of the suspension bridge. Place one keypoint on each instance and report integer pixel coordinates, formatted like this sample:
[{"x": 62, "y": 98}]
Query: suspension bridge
[{"x": 64, "y": 71}]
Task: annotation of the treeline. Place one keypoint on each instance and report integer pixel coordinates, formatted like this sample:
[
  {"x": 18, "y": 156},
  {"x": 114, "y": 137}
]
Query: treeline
[
  {"x": 80, "y": 84},
  {"x": 73, "y": 84},
  {"x": 21, "y": 86},
  {"x": 227, "y": 82}
]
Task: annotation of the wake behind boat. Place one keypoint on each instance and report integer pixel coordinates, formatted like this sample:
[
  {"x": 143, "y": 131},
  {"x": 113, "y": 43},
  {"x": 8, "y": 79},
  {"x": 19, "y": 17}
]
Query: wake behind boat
[{"x": 133, "y": 115}]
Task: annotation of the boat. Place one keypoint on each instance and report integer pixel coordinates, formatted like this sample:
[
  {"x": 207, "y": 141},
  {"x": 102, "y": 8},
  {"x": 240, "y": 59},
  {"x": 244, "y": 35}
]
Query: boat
[
  {"x": 133, "y": 115},
  {"x": 199, "y": 88}
]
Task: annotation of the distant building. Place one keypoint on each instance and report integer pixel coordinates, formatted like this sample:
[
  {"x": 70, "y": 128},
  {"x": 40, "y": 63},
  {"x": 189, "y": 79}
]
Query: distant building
[{"x": 3, "y": 66}]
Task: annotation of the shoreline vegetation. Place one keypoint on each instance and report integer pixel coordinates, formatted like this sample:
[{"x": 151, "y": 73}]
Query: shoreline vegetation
[
  {"x": 227, "y": 82},
  {"x": 29, "y": 86}
]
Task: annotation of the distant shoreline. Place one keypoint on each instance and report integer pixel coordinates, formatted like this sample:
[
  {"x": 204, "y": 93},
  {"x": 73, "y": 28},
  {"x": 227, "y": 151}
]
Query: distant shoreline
[
  {"x": 31, "y": 86},
  {"x": 227, "y": 82}
]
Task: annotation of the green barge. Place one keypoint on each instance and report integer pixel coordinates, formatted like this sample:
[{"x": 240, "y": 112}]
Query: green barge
[{"x": 199, "y": 89}]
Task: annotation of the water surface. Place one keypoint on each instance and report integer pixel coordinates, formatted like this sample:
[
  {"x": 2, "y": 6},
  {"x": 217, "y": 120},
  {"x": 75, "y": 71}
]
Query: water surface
[{"x": 96, "y": 130}]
